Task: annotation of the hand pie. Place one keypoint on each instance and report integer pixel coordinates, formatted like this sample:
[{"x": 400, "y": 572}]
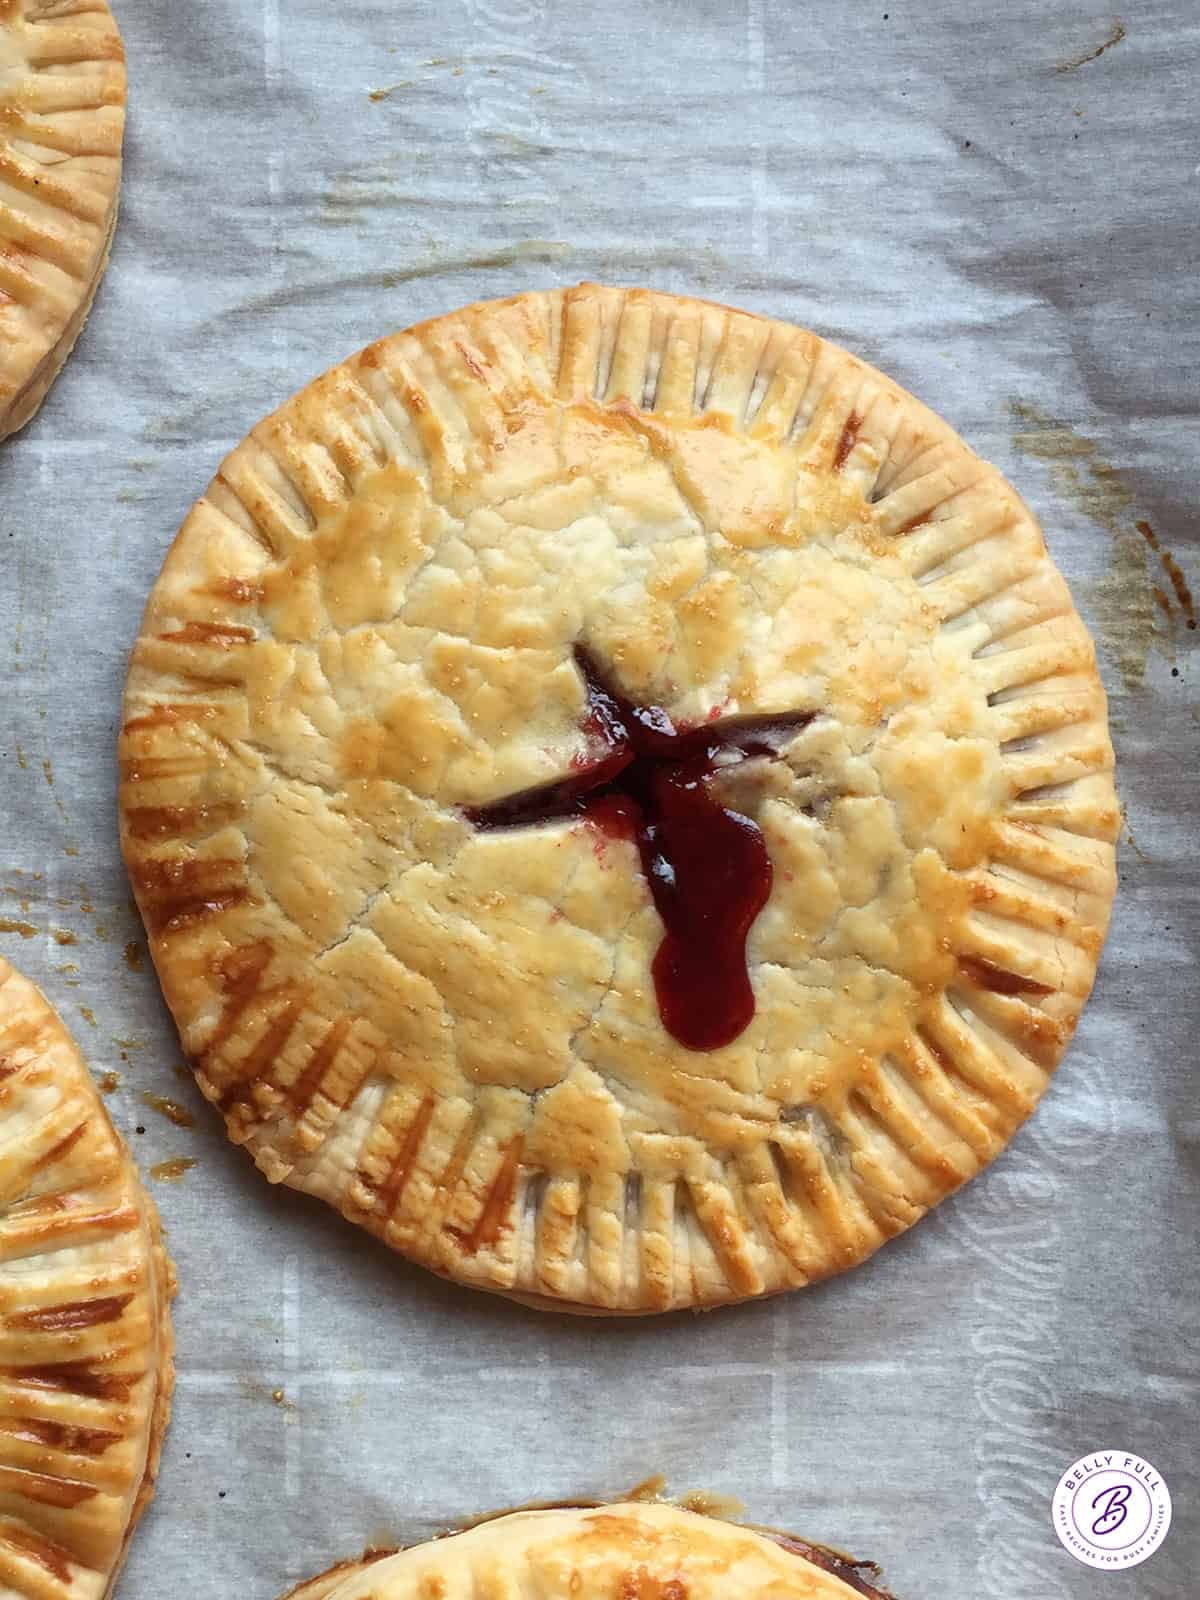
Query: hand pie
[
  {"x": 620, "y": 799},
  {"x": 62, "y": 117},
  {"x": 638, "y": 1550},
  {"x": 85, "y": 1337}
]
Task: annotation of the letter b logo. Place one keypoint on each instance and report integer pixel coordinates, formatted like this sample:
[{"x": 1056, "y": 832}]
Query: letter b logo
[{"x": 1113, "y": 1502}]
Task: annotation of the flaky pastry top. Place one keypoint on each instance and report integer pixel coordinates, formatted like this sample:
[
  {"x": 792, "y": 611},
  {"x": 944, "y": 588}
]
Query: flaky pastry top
[
  {"x": 632, "y": 1550},
  {"x": 62, "y": 120},
  {"x": 85, "y": 1338},
  {"x": 376, "y": 625}
]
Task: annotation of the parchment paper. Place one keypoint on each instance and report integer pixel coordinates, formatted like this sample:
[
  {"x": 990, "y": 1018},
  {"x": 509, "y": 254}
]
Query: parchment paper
[{"x": 1017, "y": 243}]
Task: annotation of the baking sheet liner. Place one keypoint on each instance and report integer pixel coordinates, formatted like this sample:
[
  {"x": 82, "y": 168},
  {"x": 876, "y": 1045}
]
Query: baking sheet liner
[{"x": 1009, "y": 230}]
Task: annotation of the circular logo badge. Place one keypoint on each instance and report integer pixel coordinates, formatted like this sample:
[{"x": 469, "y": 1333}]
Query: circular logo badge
[{"x": 1111, "y": 1509}]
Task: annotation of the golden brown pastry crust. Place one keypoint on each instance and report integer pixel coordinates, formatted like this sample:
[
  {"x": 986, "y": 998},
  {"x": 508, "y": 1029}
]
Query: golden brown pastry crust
[
  {"x": 321, "y": 1588},
  {"x": 643, "y": 1551},
  {"x": 62, "y": 120},
  {"x": 86, "y": 1347},
  {"x": 367, "y": 624}
]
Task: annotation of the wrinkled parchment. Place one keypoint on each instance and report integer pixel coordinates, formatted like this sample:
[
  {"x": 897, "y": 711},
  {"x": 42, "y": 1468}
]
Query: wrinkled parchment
[{"x": 1013, "y": 237}]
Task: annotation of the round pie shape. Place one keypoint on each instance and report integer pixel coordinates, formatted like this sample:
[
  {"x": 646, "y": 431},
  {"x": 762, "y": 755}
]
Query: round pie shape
[
  {"x": 62, "y": 119},
  {"x": 594, "y": 1553},
  {"x": 86, "y": 1348},
  {"x": 379, "y": 619}
]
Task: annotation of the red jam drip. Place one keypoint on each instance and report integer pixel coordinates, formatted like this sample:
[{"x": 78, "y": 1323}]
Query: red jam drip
[{"x": 707, "y": 865}]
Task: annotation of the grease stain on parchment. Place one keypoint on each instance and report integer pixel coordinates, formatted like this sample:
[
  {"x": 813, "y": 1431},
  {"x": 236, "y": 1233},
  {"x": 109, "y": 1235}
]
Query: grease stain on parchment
[
  {"x": 434, "y": 266},
  {"x": 256, "y": 1389},
  {"x": 1116, "y": 34},
  {"x": 703, "y": 264},
  {"x": 171, "y": 1109},
  {"x": 1175, "y": 576},
  {"x": 171, "y": 1171},
  {"x": 1129, "y": 619},
  {"x": 388, "y": 90},
  {"x": 48, "y": 774},
  {"x": 356, "y": 195},
  {"x": 1142, "y": 855},
  {"x": 27, "y": 895},
  {"x": 508, "y": 143},
  {"x": 189, "y": 419}
]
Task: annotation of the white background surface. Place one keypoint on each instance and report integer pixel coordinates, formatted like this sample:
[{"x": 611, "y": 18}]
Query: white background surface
[{"x": 919, "y": 183}]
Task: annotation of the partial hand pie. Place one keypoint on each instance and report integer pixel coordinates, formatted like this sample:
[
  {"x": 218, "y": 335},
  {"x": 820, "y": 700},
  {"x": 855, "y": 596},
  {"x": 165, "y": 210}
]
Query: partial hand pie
[
  {"x": 620, "y": 799},
  {"x": 85, "y": 1337},
  {"x": 62, "y": 118},
  {"x": 630, "y": 1549}
]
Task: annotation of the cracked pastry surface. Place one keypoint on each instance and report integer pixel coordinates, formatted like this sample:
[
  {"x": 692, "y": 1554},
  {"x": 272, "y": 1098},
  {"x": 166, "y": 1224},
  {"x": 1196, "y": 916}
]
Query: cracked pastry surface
[
  {"x": 62, "y": 119},
  {"x": 368, "y": 635},
  {"x": 86, "y": 1369},
  {"x": 659, "y": 1552}
]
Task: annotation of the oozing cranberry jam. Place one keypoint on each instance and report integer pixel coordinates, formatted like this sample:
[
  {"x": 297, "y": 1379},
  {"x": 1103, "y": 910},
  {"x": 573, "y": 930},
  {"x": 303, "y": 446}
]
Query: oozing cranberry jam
[{"x": 707, "y": 865}]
